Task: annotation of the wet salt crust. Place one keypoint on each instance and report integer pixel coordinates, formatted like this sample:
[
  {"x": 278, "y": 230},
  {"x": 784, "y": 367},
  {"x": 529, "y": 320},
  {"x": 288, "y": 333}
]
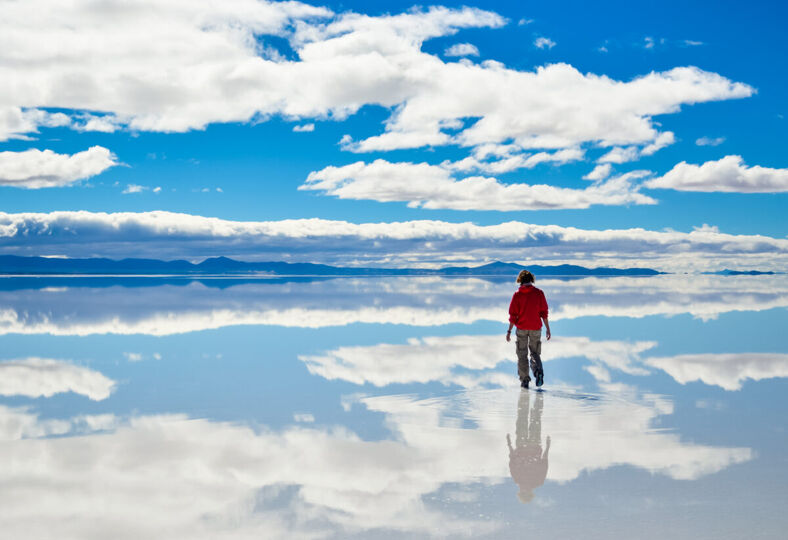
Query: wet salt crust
[{"x": 355, "y": 408}]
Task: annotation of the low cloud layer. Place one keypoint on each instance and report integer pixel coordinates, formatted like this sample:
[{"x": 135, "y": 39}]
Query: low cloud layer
[
  {"x": 434, "y": 187},
  {"x": 460, "y": 360},
  {"x": 35, "y": 169},
  {"x": 45, "y": 377},
  {"x": 728, "y": 174},
  {"x": 78, "y": 309},
  {"x": 727, "y": 371},
  {"x": 169, "y": 235},
  {"x": 475, "y": 362}
]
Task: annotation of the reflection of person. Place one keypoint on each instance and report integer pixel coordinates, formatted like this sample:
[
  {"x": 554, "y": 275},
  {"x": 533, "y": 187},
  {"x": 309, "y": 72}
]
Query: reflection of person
[
  {"x": 527, "y": 311},
  {"x": 527, "y": 464}
]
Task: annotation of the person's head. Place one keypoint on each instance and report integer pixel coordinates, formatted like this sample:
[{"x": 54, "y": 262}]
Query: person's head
[
  {"x": 525, "y": 277},
  {"x": 525, "y": 497}
]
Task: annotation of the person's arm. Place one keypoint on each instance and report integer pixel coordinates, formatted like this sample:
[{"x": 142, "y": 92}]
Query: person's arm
[
  {"x": 543, "y": 315},
  {"x": 513, "y": 313}
]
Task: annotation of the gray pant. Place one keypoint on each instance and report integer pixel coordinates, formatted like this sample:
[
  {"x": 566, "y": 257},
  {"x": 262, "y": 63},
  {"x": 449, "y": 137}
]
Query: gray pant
[{"x": 529, "y": 340}]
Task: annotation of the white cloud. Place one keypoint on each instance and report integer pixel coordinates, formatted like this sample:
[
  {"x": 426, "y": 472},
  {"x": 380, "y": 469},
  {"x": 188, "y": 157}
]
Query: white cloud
[
  {"x": 462, "y": 49},
  {"x": 134, "y": 188},
  {"x": 710, "y": 141},
  {"x": 429, "y": 186},
  {"x": 169, "y": 310},
  {"x": 692, "y": 43},
  {"x": 34, "y": 169},
  {"x": 157, "y": 189},
  {"x": 103, "y": 124},
  {"x": 728, "y": 174},
  {"x": 468, "y": 361},
  {"x": 304, "y": 128},
  {"x": 171, "y": 235},
  {"x": 184, "y": 65},
  {"x": 727, "y": 371},
  {"x": 18, "y": 123},
  {"x": 666, "y": 138},
  {"x": 317, "y": 482},
  {"x": 524, "y": 22},
  {"x": 462, "y": 360},
  {"x": 509, "y": 159},
  {"x": 45, "y": 377},
  {"x": 600, "y": 172},
  {"x": 633, "y": 153},
  {"x": 620, "y": 155},
  {"x": 544, "y": 43}
]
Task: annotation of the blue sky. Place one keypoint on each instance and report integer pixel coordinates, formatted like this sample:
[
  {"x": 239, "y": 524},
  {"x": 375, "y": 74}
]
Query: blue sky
[{"x": 193, "y": 109}]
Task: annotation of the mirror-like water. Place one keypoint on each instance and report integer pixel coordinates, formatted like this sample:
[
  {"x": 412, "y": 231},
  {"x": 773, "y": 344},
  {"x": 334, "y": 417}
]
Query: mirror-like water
[{"x": 377, "y": 408}]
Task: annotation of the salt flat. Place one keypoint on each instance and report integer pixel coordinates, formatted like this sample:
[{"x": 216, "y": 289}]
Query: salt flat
[{"x": 372, "y": 408}]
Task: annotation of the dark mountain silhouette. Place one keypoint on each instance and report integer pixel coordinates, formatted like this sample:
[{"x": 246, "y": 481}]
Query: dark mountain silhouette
[
  {"x": 13, "y": 264},
  {"x": 727, "y": 272}
]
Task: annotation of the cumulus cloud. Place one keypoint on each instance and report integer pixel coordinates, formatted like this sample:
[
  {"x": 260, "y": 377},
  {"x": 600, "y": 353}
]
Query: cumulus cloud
[
  {"x": 45, "y": 377},
  {"x": 429, "y": 186},
  {"x": 728, "y": 174},
  {"x": 468, "y": 361},
  {"x": 633, "y": 153},
  {"x": 727, "y": 371},
  {"x": 172, "y": 235},
  {"x": 462, "y": 49},
  {"x": 462, "y": 360},
  {"x": 185, "y": 65},
  {"x": 505, "y": 158},
  {"x": 18, "y": 123},
  {"x": 104, "y": 124},
  {"x": 600, "y": 172},
  {"x": 134, "y": 188},
  {"x": 304, "y": 127},
  {"x": 710, "y": 141},
  {"x": 34, "y": 169},
  {"x": 544, "y": 43}
]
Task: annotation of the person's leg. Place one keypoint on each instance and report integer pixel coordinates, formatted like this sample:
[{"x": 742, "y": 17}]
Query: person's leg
[
  {"x": 521, "y": 429},
  {"x": 535, "y": 424},
  {"x": 535, "y": 346},
  {"x": 522, "y": 355}
]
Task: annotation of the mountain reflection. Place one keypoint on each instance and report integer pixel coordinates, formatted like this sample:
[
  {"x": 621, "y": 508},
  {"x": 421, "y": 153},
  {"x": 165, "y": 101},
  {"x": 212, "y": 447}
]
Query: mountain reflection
[
  {"x": 163, "y": 308},
  {"x": 528, "y": 463}
]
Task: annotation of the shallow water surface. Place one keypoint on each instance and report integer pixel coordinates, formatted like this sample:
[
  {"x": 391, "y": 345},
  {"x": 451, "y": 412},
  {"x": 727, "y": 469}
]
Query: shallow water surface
[{"x": 388, "y": 408}]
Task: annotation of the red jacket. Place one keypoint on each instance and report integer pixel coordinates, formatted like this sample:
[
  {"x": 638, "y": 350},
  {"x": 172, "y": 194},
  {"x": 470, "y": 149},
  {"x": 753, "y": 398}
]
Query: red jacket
[{"x": 528, "y": 308}]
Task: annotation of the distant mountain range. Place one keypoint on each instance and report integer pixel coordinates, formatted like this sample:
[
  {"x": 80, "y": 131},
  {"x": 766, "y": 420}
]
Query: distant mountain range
[
  {"x": 727, "y": 272},
  {"x": 13, "y": 264}
]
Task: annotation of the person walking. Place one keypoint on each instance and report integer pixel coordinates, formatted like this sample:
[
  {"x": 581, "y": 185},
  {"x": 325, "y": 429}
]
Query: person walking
[{"x": 526, "y": 312}]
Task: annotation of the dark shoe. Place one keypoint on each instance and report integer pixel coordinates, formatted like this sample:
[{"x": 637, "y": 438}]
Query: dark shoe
[
  {"x": 524, "y": 383},
  {"x": 540, "y": 378}
]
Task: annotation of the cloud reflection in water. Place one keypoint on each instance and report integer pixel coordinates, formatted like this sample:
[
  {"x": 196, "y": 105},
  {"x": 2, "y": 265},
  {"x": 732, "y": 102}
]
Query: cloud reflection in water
[{"x": 167, "y": 309}]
